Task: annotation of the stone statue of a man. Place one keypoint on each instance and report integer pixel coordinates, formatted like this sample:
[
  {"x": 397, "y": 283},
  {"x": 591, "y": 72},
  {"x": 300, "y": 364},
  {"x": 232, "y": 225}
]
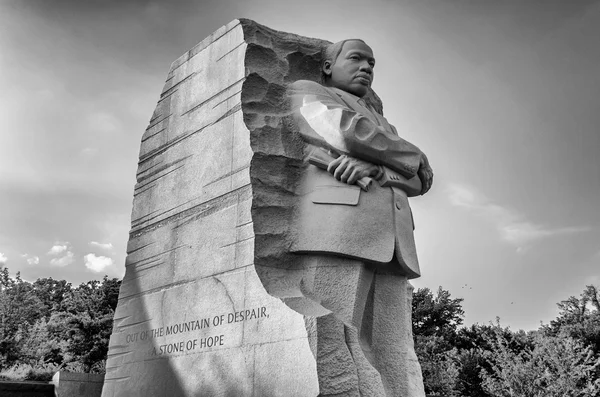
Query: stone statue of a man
[{"x": 355, "y": 228}]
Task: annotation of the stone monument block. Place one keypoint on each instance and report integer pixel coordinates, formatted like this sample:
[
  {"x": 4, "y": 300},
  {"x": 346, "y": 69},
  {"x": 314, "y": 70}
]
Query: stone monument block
[{"x": 209, "y": 302}]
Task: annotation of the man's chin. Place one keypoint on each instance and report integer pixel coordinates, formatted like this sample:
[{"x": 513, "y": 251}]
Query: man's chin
[{"x": 361, "y": 92}]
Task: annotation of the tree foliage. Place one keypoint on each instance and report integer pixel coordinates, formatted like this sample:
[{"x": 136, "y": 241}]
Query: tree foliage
[
  {"x": 559, "y": 359},
  {"x": 579, "y": 318},
  {"x": 553, "y": 367},
  {"x": 51, "y": 322},
  {"x": 438, "y": 315}
]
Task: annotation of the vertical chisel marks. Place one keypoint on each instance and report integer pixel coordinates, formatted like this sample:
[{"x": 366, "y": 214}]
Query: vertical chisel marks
[
  {"x": 198, "y": 106},
  {"x": 232, "y": 50}
]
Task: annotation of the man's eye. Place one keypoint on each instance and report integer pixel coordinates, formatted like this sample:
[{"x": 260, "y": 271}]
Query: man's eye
[
  {"x": 372, "y": 64},
  {"x": 354, "y": 57}
]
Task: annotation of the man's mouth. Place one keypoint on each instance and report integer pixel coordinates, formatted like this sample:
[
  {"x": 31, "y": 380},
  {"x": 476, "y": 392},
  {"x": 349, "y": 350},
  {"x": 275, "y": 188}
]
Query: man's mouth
[{"x": 364, "y": 79}]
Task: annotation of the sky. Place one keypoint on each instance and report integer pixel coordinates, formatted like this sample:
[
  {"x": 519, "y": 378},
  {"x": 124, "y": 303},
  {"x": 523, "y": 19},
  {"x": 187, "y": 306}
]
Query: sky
[{"x": 503, "y": 97}]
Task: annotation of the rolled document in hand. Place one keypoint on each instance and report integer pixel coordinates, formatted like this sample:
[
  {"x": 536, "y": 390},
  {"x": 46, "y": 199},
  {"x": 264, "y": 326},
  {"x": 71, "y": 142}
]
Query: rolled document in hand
[{"x": 321, "y": 159}]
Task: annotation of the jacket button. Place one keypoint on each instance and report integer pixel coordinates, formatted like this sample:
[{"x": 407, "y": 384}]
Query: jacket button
[{"x": 398, "y": 205}]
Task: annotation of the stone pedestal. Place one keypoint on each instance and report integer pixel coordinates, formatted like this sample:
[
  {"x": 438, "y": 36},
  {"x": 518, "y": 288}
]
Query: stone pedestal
[
  {"x": 75, "y": 384},
  {"x": 210, "y": 229}
]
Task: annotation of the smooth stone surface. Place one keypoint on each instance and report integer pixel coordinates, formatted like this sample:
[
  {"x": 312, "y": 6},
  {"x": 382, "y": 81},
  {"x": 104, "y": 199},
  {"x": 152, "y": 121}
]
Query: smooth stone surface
[
  {"x": 74, "y": 384},
  {"x": 193, "y": 317}
]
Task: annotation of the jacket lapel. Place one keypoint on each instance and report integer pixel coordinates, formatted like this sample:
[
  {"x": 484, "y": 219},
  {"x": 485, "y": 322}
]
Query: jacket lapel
[{"x": 353, "y": 103}]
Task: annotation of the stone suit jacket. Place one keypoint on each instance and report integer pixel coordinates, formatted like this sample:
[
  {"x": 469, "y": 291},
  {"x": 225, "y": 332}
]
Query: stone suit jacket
[{"x": 375, "y": 226}]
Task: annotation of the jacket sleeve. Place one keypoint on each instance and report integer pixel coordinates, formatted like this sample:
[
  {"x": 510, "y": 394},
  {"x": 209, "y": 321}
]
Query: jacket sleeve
[{"x": 328, "y": 122}]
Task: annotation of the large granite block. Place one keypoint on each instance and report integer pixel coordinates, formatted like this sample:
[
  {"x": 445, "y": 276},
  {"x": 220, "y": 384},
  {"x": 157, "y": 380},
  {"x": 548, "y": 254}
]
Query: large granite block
[
  {"x": 203, "y": 308},
  {"x": 193, "y": 317}
]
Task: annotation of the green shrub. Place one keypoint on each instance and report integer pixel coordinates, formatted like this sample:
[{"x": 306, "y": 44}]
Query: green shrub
[{"x": 23, "y": 372}]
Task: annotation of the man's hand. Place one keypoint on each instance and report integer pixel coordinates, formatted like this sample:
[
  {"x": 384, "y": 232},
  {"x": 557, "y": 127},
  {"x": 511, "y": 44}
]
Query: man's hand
[
  {"x": 349, "y": 169},
  {"x": 425, "y": 174}
]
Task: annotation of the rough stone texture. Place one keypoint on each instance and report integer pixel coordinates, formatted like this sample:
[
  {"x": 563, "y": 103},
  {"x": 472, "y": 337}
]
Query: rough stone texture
[
  {"x": 276, "y": 174},
  {"x": 201, "y": 309},
  {"x": 73, "y": 384}
]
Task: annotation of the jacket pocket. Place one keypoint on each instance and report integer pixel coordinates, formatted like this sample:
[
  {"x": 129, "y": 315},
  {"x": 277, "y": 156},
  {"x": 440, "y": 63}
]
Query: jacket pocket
[{"x": 340, "y": 195}]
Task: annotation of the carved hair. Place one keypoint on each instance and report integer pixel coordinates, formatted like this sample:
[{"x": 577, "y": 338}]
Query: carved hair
[{"x": 331, "y": 53}]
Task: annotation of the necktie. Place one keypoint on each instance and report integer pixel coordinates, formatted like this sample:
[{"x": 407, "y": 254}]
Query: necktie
[{"x": 373, "y": 114}]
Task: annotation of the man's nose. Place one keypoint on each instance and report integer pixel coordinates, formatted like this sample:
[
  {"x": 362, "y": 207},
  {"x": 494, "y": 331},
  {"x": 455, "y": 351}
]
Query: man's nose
[{"x": 366, "y": 67}]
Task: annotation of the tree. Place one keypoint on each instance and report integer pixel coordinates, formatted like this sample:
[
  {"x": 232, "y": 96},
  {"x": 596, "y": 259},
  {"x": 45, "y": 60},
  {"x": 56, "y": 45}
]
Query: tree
[
  {"x": 435, "y": 320},
  {"x": 554, "y": 367},
  {"x": 87, "y": 320},
  {"x": 51, "y": 294},
  {"x": 579, "y": 318},
  {"x": 20, "y": 308},
  {"x": 51, "y": 322},
  {"x": 436, "y": 315},
  {"x": 438, "y": 364}
]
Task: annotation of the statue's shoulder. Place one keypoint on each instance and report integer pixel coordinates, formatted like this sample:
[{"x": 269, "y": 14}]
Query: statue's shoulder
[{"x": 307, "y": 87}]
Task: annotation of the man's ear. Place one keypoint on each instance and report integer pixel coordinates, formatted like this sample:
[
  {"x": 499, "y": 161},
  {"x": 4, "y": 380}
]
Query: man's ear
[{"x": 327, "y": 68}]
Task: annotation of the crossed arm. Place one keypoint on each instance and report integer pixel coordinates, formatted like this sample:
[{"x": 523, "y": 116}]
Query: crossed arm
[{"x": 364, "y": 147}]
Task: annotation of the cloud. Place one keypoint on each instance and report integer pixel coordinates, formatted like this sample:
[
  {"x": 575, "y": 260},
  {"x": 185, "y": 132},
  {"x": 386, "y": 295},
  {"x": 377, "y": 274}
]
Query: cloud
[
  {"x": 88, "y": 152},
  {"x": 63, "y": 261},
  {"x": 101, "y": 121},
  {"x": 97, "y": 263},
  {"x": 513, "y": 227},
  {"x": 58, "y": 248},
  {"x": 31, "y": 259},
  {"x": 3, "y": 258},
  {"x": 104, "y": 246}
]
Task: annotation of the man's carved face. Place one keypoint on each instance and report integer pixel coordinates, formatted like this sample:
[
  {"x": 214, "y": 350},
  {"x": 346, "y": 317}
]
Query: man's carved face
[{"x": 352, "y": 71}]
